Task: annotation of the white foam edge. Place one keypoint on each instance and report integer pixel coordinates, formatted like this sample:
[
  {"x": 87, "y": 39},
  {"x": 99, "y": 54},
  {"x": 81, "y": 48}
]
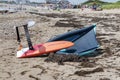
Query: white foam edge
[{"x": 21, "y": 52}]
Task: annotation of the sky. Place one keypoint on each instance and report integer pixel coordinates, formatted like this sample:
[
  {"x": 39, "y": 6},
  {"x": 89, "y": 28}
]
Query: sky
[{"x": 78, "y": 1}]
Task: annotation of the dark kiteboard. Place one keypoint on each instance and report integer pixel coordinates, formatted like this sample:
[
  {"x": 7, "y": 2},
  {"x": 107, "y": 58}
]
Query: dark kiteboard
[{"x": 84, "y": 40}]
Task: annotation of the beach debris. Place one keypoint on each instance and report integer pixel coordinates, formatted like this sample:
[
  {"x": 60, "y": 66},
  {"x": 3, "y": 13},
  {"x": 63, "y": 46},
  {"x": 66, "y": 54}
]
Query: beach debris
[
  {"x": 60, "y": 58},
  {"x": 89, "y": 71},
  {"x": 68, "y": 23},
  {"x": 88, "y": 64},
  {"x": 104, "y": 79},
  {"x": 53, "y": 15}
]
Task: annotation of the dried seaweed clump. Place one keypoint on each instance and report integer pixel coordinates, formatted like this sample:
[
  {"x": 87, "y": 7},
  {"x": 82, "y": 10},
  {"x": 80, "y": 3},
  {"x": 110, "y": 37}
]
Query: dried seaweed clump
[
  {"x": 60, "y": 58},
  {"x": 85, "y": 72}
]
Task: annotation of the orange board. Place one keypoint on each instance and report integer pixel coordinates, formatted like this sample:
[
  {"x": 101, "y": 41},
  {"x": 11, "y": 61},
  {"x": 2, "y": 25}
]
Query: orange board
[{"x": 44, "y": 48}]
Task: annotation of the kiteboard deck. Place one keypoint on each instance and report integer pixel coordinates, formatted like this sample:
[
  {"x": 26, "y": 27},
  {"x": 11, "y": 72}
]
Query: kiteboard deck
[{"x": 44, "y": 48}]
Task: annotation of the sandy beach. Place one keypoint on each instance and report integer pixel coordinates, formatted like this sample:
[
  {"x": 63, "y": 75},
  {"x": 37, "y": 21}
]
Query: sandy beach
[{"x": 106, "y": 66}]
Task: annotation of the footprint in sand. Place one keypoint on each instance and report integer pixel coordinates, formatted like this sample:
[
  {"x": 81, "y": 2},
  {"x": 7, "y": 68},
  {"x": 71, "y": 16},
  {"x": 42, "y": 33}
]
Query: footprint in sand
[
  {"x": 24, "y": 72},
  {"x": 33, "y": 77},
  {"x": 40, "y": 67},
  {"x": 5, "y": 75}
]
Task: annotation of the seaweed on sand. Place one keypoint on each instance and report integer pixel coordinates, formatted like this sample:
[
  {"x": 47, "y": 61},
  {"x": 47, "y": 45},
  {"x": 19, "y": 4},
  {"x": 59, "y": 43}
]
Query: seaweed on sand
[{"x": 60, "y": 58}]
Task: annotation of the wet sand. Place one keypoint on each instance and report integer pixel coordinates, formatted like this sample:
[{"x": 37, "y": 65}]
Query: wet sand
[{"x": 106, "y": 66}]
